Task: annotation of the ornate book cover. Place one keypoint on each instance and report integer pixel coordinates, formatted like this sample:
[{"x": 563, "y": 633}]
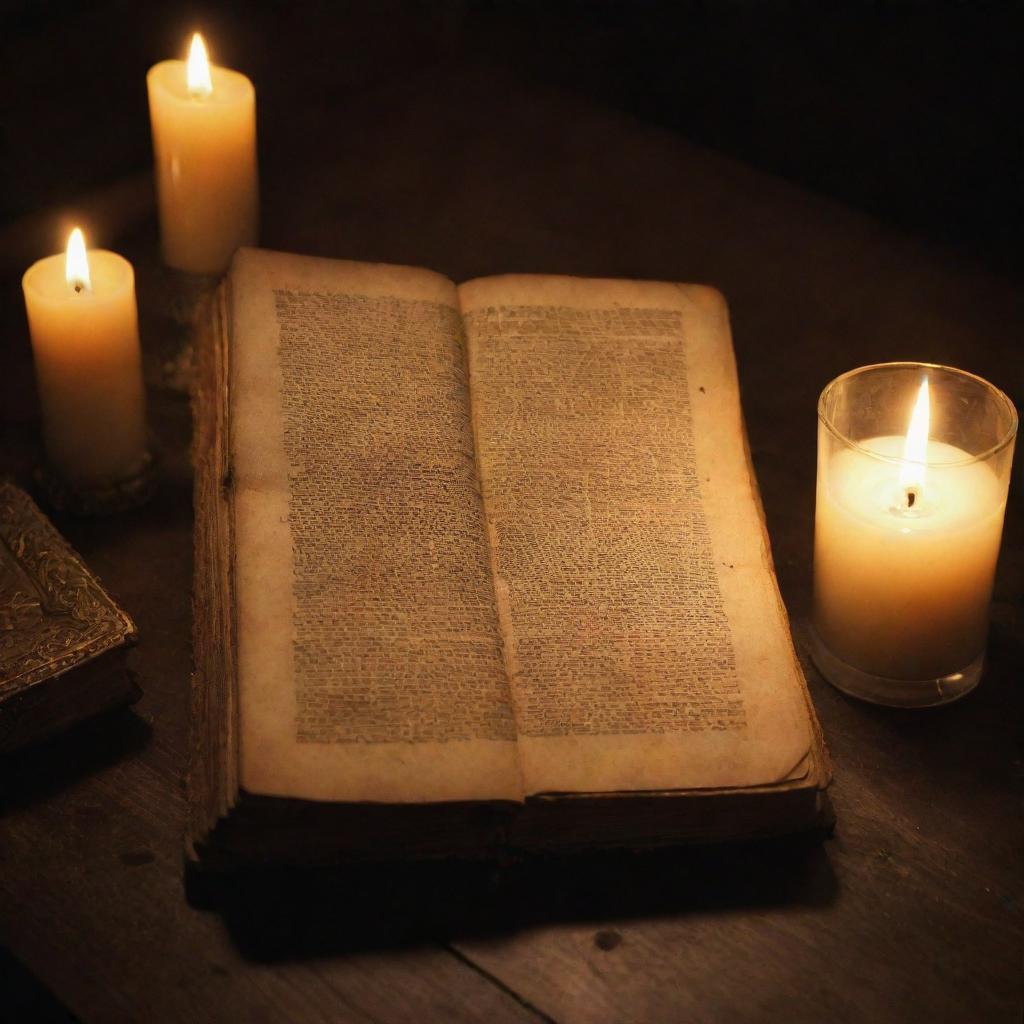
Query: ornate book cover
[{"x": 62, "y": 636}]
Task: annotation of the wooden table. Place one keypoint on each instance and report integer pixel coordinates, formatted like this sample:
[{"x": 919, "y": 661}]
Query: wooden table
[{"x": 912, "y": 912}]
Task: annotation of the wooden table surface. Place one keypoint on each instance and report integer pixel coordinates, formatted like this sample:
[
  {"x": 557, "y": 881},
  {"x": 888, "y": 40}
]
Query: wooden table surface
[{"x": 911, "y": 912}]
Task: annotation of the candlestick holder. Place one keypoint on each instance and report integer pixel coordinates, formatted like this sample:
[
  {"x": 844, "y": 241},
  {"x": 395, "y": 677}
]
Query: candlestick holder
[
  {"x": 171, "y": 304},
  {"x": 89, "y": 500},
  {"x": 913, "y": 469}
]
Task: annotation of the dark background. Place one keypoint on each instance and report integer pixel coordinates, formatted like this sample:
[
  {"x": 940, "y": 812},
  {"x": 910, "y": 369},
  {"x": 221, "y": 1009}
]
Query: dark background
[{"x": 910, "y": 111}]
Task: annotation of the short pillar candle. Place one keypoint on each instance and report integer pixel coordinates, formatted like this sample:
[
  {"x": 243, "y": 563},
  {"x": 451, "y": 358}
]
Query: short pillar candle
[
  {"x": 913, "y": 469},
  {"x": 83, "y": 323},
  {"x": 203, "y": 121}
]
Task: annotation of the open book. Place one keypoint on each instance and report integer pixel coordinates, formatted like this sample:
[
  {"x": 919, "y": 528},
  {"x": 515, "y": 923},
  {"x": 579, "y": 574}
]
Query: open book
[{"x": 479, "y": 567}]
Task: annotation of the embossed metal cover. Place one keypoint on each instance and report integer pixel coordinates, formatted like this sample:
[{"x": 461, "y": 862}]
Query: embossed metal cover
[{"x": 54, "y": 614}]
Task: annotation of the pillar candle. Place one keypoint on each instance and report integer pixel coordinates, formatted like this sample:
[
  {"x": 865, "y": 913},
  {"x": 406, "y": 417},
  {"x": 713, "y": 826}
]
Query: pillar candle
[
  {"x": 83, "y": 323},
  {"x": 203, "y": 122}
]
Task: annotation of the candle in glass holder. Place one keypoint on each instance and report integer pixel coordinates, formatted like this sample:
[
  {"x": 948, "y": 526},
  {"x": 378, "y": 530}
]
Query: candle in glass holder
[
  {"x": 203, "y": 120},
  {"x": 83, "y": 323},
  {"x": 907, "y": 530}
]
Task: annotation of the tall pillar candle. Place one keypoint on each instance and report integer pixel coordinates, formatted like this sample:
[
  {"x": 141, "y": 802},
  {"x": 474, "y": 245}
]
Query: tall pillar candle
[
  {"x": 203, "y": 121},
  {"x": 907, "y": 529},
  {"x": 83, "y": 323}
]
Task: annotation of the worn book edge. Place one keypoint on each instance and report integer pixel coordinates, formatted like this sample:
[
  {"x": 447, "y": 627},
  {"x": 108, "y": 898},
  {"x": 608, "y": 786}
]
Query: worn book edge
[{"x": 213, "y": 754}]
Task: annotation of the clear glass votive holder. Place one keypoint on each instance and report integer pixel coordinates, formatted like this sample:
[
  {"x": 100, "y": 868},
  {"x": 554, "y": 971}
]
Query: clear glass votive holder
[{"x": 913, "y": 469}]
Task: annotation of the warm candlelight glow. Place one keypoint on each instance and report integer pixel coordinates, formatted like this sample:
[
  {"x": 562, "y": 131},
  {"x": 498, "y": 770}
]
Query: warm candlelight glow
[
  {"x": 76, "y": 263},
  {"x": 84, "y": 326},
  {"x": 203, "y": 120},
  {"x": 915, "y": 449},
  {"x": 198, "y": 68},
  {"x": 907, "y": 529}
]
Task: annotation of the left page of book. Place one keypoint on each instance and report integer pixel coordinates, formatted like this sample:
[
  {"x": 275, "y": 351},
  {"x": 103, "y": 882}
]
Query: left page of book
[{"x": 369, "y": 657}]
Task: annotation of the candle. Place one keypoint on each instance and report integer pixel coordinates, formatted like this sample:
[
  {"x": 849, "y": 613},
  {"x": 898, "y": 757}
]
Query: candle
[
  {"x": 907, "y": 535},
  {"x": 203, "y": 121},
  {"x": 85, "y": 339}
]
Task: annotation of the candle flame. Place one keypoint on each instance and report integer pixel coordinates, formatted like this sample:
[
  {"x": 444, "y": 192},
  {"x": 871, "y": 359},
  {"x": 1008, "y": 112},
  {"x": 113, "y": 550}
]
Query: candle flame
[
  {"x": 76, "y": 262},
  {"x": 915, "y": 449},
  {"x": 197, "y": 69}
]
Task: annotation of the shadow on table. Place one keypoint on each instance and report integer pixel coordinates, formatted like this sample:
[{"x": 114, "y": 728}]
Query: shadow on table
[
  {"x": 931, "y": 749},
  {"x": 284, "y": 914},
  {"x": 37, "y": 772}
]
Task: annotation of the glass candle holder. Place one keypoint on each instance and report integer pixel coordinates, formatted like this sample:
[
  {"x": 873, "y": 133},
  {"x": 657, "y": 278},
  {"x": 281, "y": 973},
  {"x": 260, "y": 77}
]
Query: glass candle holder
[{"x": 913, "y": 469}]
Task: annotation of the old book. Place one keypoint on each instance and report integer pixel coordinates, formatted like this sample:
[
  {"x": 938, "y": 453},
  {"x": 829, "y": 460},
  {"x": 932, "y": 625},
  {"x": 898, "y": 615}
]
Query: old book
[
  {"x": 63, "y": 638},
  {"x": 478, "y": 568}
]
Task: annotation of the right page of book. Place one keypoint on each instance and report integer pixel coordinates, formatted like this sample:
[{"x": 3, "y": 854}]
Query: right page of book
[{"x": 643, "y": 630}]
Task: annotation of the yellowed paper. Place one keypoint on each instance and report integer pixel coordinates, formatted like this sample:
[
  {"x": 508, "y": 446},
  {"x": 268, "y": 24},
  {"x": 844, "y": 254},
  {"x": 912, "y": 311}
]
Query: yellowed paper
[
  {"x": 369, "y": 656},
  {"x": 645, "y": 638}
]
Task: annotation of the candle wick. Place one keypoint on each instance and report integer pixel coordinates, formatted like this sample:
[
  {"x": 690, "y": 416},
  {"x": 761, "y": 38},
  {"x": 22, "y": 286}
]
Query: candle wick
[
  {"x": 78, "y": 287},
  {"x": 911, "y": 498}
]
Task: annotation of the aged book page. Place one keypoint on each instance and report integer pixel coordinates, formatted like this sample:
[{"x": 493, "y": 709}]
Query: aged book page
[
  {"x": 644, "y": 634},
  {"x": 369, "y": 660}
]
